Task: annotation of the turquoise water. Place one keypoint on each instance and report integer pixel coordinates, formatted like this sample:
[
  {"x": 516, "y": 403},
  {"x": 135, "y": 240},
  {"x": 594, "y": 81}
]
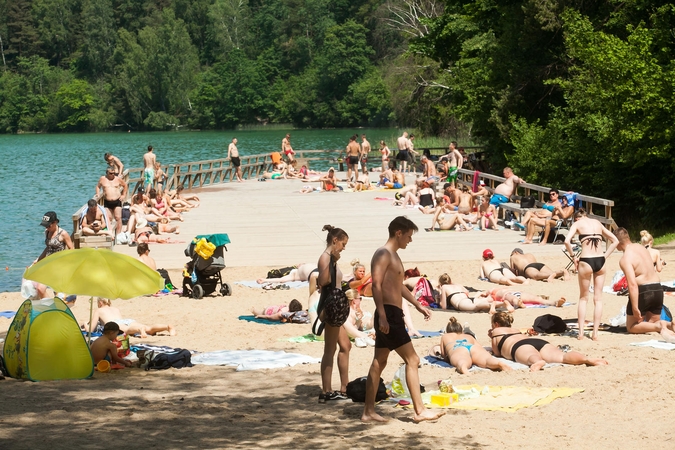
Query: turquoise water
[{"x": 59, "y": 172}]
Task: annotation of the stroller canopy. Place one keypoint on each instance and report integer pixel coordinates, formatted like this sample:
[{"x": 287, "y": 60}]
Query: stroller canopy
[{"x": 216, "y": 239}]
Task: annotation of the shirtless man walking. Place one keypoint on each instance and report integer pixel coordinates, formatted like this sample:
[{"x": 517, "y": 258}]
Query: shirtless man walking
[
  {"x": 526, "y": 264},
  {"x": 455, "y": 162},
  {"x": 353, "y": 152},
  {"x": 365, "y": 150},
  {"x": 286, "y": 148},
  {"x": 645, "y": 293},
  {"x": 233, "y": 156},
  {"x": 149, "y": 160},
  {"x": 114, "y": 190},
  {"x": 390, "y": 333},
  {"x": 505, "y": 189},
  {"x": 403, "y": 155}
]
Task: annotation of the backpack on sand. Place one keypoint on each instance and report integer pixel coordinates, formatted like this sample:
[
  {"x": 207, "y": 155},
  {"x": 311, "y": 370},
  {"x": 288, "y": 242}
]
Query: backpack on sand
[
  {"x": 177, "y": 359},
  {"x": 356, "y": 390}
]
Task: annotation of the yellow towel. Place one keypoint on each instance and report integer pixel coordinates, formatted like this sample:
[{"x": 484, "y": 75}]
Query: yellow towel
[{"x": 505, "y": 398}]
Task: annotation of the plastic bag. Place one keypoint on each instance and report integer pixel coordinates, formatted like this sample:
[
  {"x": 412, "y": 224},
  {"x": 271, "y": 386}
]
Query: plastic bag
[
  {"x": 399, "y": 387},
  {"x": 28, "y": 290}
]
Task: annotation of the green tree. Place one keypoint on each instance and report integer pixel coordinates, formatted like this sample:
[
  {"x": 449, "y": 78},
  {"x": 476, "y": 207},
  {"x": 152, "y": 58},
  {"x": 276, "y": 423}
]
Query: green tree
[
  {"x": 76, "y": 102},
  {"x": 57, "y": 27},
  {"x": 99, "y": 37}
]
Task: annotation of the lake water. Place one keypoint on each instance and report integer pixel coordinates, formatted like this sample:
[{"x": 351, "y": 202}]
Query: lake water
[{"x": 59, "y": 172}]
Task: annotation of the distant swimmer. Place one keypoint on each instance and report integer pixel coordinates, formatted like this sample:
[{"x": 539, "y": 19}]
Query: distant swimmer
[
  {"x": 114, "y": 162},
  {"x": 149, "y": 160},
  {"x": 286, "y": 148},
  {"x": 113, "y": 190},
  {"x": 233, "y": 156}
]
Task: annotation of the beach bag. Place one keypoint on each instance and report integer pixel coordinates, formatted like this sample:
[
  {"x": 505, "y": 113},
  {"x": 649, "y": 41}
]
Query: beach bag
[
  {"x": 424, "y": 292},
  {"x": 295, "y": 317},
  {"x": 548, "y": 323},
  {"x": 527, "y": 201},
  {"x": 356, "y": 390},
  {"x": 278, "y": 273},
  {"x": 177, "y": 359},
  {"x": 333, "y": 307}
]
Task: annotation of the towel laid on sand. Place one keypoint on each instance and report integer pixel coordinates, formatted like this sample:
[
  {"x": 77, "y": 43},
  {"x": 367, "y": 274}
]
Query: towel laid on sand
[
  {"x": 504, "y": 398},
  {"x": 7, "y": 314},
  {"x": 290, "y": 284},
  {"x": 252, "y": 359},
  {"x": 263, "y": 321},
  {"x": 427, "y": 334},
  {"x": 302, "y": 339},
  {"x": 656, "y": 344}
]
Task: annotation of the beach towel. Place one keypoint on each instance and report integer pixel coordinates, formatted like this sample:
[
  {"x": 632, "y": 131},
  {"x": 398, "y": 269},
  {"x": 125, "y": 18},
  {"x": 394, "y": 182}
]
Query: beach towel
[
  {"x": 7, "y": 314},
  {"x": 263, "y": 321},
  {"x": 441, "y": 363},
  {"x": 290, "y": 284},
  {"x": 305, "y": 338},
  {"x": 427, "y": 334},
  {"x": 663, "y": 345},
  {"x": 253, "y": 359},
  {"x": 502, "y": 398}
]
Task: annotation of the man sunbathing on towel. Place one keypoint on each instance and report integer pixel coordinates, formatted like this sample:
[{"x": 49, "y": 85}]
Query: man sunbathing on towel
[
  {"x": 108, "y": 313},
  {"x": 300, "y": 273},
  {"x": 526, "y": 264},
  {"x": 104, "y": 348}
]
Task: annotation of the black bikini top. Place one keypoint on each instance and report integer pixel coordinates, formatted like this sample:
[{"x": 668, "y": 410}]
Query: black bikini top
[
  {"x": 500, "y": 344},
  {"x": 593, "y": 239}
]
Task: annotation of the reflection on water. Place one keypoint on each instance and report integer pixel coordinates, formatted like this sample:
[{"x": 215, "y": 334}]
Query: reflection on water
[{"x": 59, "y": 173}]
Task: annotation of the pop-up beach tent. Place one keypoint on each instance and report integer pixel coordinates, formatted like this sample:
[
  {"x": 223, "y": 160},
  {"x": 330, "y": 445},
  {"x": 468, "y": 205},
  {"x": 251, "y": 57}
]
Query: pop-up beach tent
[{"x": 45, "y": 342}]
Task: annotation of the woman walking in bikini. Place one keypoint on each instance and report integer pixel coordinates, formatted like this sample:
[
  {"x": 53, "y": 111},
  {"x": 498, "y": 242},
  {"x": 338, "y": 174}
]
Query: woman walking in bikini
[{"x": 590, "y": 264}]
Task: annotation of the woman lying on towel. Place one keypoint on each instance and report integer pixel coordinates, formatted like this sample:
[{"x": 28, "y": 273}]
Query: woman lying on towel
[
  {"x": 300, "y": 273},
  {"x": 511, "y": 298},
  {"x": 509, "y": 343},
  {"x": 278, "y": 313},
  {"x": 462, "y": 350},
  {"x": 457, "y": 297}
]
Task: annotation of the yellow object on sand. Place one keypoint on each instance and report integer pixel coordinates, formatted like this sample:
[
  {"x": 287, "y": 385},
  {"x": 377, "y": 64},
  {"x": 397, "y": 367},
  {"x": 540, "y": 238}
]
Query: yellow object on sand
[
  {"x": 103, "y": 366},
  {"x": 503, "y": 398},
  {"x": 444, "y": 398}
]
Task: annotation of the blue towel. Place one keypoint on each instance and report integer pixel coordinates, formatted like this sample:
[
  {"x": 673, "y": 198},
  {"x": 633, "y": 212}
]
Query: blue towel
[
  {"x": 7, "y": 314},
  {"x": 263, "y": 321}
]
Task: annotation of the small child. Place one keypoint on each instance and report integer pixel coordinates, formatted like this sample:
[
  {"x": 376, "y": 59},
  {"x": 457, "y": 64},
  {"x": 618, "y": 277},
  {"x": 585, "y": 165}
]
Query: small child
[{"x": 104, "y": 348}]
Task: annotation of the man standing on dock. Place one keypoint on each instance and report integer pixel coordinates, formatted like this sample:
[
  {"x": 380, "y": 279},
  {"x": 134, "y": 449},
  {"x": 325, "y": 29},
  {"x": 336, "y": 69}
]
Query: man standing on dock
[
  {"x": 114, "y": 162},
  {"x": 365, "y": 150},
  {"x": 114, "y": 191},
  {"x": 455, "y": 162},
  {"x": 286, "y": 148},
  {"x": 403, "y": 154},
  {"x": 149, "y": 160},
  {"x": 353, "y": 153},
  {"x": 233, "y": 156}
]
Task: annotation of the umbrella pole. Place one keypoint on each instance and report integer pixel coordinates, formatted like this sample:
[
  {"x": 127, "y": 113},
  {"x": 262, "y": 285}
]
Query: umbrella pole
[{"x": 91, "y": 314}]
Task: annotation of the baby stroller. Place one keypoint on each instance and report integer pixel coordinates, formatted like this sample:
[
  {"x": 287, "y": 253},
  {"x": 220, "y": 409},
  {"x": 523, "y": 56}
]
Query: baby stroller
[{"x": 202, "y": 272}]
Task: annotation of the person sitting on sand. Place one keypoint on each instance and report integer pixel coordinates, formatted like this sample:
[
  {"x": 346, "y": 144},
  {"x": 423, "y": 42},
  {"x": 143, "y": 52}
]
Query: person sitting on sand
[
  {"x": 509, "y": 343},
  {"x": 511, "y": 299},
  {"x": 363, "y": 182},
  {"x": 463, "y": 350},
  {"x": 359, "y": 321},
  {"x": 449, "y": 218},
  {"x": 456, "y": 295},
  {"x": 360, "y": 280},
  {"x": 144, "y": 256},
  {"x": 329, "y": 181},
  {"x": 497, "y": 272},
  {"x": 526, "y": 264},
  {"x": 104, "y": 348},
  {"x": 278, "y": 313},
  {"x": 108, "y": 313},
  {"x": 300, "y": 272},
  {"x": 161, "y": 208},
  {"x": 488, "y": 215},
  {"x": 397, "y": 180}
]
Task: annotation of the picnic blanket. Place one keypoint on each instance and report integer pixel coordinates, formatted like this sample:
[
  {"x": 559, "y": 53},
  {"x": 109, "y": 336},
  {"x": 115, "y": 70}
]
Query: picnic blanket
[
  {"x": 252, "y": 359},
  {"x": 502, "y": 398},
  {"x": 252, "y": 318},
  {"x": 656, "y": 344},
  {"x": 290, "y": 284}
]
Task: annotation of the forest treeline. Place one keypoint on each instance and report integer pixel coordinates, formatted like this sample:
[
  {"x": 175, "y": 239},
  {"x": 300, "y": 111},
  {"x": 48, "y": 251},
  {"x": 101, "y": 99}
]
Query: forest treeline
[{"x": 570, "y": 93}]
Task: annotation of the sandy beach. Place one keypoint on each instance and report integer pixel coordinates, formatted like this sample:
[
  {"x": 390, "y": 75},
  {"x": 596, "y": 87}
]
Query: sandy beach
[{"x": 623, "y": 405}]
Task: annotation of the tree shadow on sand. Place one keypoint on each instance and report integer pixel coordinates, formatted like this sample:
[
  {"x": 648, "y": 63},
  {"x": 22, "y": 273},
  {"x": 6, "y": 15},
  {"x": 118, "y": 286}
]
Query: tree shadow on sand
[{"x": 210, "y": 408}]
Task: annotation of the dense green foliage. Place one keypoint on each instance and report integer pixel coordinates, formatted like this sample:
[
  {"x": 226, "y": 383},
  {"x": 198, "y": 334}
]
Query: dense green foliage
[
  {"x": 570, "y": 93},
  {"x": 76, "y": 65}
]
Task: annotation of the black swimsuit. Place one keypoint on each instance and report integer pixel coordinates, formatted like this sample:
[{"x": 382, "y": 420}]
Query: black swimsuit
[
  {"x": 534, "y": 265},
  {"x": 594, "y": 240},
  {"x": 534, "y": 342},
  {"x": 450, "y": 299}
]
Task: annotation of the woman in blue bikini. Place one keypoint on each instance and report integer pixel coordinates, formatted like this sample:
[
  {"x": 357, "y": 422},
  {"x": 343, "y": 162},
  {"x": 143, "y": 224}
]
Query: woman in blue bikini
[
  {"x": 462, "y": 350},
  {"x": 590, "y": 264},
  {"x": 509, "y": 343}
]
